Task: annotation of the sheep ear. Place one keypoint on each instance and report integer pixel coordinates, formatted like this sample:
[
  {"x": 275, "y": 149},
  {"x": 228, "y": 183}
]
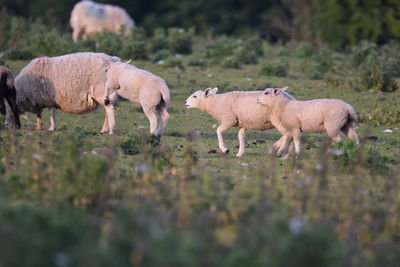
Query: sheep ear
[
  {"x": 266, "y": 91},
  {"x": 284, "y": 89},
  {"x": 129, "y": 61},
  {"x": 276, "y": 91},
  {"x": 210, "y": 91}
]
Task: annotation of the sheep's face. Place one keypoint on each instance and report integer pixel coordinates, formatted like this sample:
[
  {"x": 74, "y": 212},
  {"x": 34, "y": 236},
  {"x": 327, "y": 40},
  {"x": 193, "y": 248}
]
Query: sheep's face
[
  {"x": 270, "y": 96},
  {"x": 194, "y": 101}
]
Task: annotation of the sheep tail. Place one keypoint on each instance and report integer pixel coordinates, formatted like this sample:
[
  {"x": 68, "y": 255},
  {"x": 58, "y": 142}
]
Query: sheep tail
[
  {"x": 352, "y": 114},
  {"x": 165, "y": 94}
]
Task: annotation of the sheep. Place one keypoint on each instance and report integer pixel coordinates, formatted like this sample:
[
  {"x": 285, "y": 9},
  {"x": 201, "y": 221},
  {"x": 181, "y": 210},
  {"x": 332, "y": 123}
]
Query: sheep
[
  {"x": 8, "y": 93},
  {"x": 89, "y": 18},
  {"x": 233, "y": 109},
  {"x": 292, "y": 117},
  {"x": 74, "y": 83},
  {"x": 143, "y": 87}
]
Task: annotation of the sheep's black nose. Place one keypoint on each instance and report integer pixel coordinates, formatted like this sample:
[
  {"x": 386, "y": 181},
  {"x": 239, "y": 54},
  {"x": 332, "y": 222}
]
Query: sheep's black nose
[{"x": 185, "y": 102}]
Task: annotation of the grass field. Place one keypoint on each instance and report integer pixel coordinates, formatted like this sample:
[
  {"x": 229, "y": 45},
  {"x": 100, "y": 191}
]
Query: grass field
[{"x": 181, "y": 204}]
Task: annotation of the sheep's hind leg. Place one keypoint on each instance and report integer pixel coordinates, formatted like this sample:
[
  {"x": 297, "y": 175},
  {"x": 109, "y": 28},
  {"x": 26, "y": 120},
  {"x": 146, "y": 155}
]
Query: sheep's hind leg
[
  {"x": 296, "y": 140},
  {"x": 350, "y": 131},
  {"x": 152, "y": 116},
  {"x": 242, "y": 141},
  {"x": 222, "y": 128},
  {"x": 164, "y": 116},
  {"x": 53, "y": 125}
]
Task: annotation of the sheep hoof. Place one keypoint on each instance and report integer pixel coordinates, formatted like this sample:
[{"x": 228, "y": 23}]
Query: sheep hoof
[
  {"x": 226, "y": 151},
  {"x": 51, "y": 129},
  {"x": 239, "y": 155}
]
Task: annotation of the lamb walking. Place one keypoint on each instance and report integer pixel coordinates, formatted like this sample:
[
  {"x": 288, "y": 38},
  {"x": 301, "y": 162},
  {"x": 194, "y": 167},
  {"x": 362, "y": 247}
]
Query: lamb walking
[
  {"x": 292, "y": 117},
  {"x": 233, "y": 109}
]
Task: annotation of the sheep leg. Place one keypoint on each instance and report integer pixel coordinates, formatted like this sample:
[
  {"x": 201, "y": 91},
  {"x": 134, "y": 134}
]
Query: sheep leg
[
  {"x": 296, "y": 140},
  {"x": 334, "y": 135},
  {"x": 164, "y": 116},
  {"x": 350, "y": 131},
  {"x": 110, "y": 113},
  {"x": 105, "y": 128},
  {"x": 284, "y": 147},
  {"x": 52, "y": 113},
  {"x": 10, "y": 97},
  {"x": 242, "y": 141},
  {"x": 152, "y": 116},
  {"x": 75, "y": 35},
  {"x": 2, "y": 107},
  {"x": 39, "y": 121},
  {"x": 222, "y": 128}
]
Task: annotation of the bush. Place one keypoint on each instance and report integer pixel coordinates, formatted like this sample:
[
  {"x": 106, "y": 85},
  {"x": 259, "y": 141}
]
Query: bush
[
  {"x": 274, "y": 69},
  {"x": 375, "y": 74},
  {"x": 303, "y": 50},
  {"x": 388, "y": 115}
]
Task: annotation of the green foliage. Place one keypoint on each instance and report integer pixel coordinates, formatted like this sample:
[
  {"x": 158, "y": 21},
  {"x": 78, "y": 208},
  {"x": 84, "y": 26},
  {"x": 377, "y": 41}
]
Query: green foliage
[
  {"x": 54, "y": 236},
  {"x": 346, "y": 23},
  {"x": 383, "y": 114},
  {"x": 136, "y": 143},
  {"x": 303, "y": 50},
  {"x": 229, "y": 52},
  {"x": 274, "y": 69}
]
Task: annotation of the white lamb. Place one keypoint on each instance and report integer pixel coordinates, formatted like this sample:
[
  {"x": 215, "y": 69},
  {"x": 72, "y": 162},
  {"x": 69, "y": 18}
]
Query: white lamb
[
  {"x": 233, "y": 109},
  {"x": 89, "y": 18},
  {"x": 143, "y": 87},
  {"x": 292, "y": 117},
  {"x": 74, "y": 83}
]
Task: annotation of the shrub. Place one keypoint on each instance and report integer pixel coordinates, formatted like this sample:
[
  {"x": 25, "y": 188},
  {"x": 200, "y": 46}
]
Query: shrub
[
  {"x": 303, "y": 50},
  {"x": 174, "y": 62},
  {"x": 274, "y": 69},
  {"x": 374, "y": 74},
  {"x": 388, "y": 115},
  {"x": 360, "y": 52}
]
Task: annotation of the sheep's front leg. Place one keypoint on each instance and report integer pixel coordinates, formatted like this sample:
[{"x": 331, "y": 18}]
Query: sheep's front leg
[
  {"x": 53, "y": 125},
  {"x": 242, "y": 141},
  {"x": 222, "y": 128},
  {"x": 110, "y": 113},
  {"x": 105, "y": 128},
  {"x": 39, "y": 121},
  {"x": 284, "y": 145}
]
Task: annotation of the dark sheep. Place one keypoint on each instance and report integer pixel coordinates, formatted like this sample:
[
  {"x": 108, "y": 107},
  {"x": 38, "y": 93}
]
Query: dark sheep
[{"x": 8, "y": 93}]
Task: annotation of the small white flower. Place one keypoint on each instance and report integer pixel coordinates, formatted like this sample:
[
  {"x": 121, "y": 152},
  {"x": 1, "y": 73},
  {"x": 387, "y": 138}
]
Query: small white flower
[
  {"x": 141, "y": 127},
  {"x": 37, "y": 156},
  {"x": 248, "y": 79},
  {"x": 160, "y": 62},
  {"x": 297, "y": 224},
  {"x": 245, "y": 164},
  {"x": 387, "y": 131},
  {"x": 214, "y": 126},
  {"x": 209, "y": 75}
]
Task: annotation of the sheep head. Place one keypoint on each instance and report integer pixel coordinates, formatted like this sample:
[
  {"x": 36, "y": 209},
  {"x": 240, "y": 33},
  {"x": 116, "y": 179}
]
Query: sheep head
[
  {"x": 194, "y": 101},
  {"x": 270, "y": 96}
]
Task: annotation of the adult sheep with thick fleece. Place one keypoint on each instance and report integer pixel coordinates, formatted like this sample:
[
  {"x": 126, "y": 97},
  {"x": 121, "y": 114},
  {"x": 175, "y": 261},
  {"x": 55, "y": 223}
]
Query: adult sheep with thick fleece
[
  {"x": 8, "y": 93},
  {"x": 89, "y": 18},
  {"x": 231, "y": 109},
  {"x": 74, "y": 83},
  {"x": 292, "y": 117},
  {"x": 143, "y": 87}
]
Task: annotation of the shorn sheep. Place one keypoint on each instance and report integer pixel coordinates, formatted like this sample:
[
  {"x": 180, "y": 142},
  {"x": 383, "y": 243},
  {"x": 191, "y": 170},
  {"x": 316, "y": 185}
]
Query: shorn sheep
[
  {"x": 233, "y": 109},
  {"x": 139, "y": 86},
  {"x": 292, "y": 117},
  {"x": 8, "y": 93},
  {"x": 74, "y": 83},
  {"x": 89, "y": 18}
]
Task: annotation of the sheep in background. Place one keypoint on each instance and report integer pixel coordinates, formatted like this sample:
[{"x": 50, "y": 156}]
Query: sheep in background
[
  {"x": 89, "y": 18},
  {"x": 74, "y": 83},
  {"x": 292, "y": 117},
  {"x": 8, "y": 93},
  {"x": 143, "y": 87},
  {"x": 233, "y": 109}
]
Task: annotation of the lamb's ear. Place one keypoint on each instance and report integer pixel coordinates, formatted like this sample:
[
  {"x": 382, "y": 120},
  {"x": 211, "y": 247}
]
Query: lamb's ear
[
  {"x": 266, "y": 91},
  {"x": 284, "y": 89},
  {"x": 209, "y": 91},
  {"x": 129, "y": 61},
  {"x": 276, "y": 91}
]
